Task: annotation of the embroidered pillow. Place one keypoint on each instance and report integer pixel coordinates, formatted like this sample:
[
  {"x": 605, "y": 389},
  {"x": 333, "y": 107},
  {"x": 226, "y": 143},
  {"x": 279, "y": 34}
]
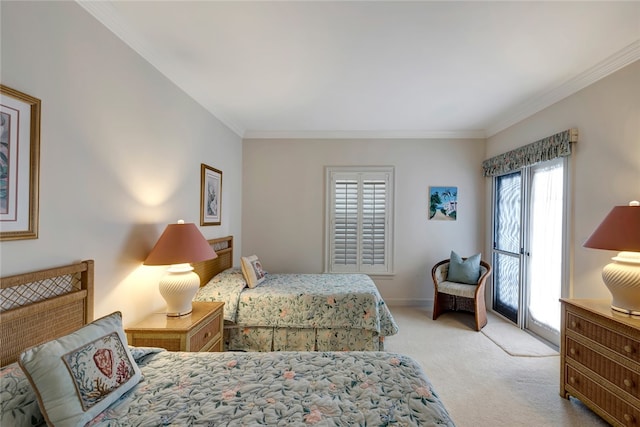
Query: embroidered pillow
[
  {"x": 18, "y": 399},
  {"x": 464, "y": 271},
  {"x": 81, "y": 374},
  {"x": 252, "y": 270}
]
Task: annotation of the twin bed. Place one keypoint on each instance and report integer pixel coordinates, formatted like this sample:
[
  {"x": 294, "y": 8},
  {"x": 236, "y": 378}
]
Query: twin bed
[
  {"x": 295, "y": 312},
  {"x": 174, "y": 388}
]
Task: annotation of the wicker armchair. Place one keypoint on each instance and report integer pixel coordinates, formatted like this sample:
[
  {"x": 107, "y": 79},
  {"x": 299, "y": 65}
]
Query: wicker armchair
[{"x": 452, "y": 296}]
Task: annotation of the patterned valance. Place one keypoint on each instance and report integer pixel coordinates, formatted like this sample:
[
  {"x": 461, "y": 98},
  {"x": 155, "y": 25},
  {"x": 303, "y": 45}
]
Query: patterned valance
[{"x": 558, "y": 145}]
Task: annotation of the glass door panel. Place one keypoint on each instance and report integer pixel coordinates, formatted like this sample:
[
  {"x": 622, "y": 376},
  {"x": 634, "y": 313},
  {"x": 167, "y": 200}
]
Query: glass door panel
[
  {"x": 545, "y": 255},
  {"x": 507, "y": 245}
]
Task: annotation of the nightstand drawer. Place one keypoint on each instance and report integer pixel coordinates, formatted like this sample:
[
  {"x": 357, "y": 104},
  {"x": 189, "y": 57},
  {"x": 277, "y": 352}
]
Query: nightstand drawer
[
  {"x": 614, "y": 341},
  {"x": 606, "y": 403},
  {"x": 206, "y": 335},
  {"x": 622, "y": 377}
]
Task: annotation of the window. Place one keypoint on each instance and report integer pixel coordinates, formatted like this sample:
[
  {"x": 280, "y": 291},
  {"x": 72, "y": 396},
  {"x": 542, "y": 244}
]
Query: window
[{"x": 359, "y": 229}]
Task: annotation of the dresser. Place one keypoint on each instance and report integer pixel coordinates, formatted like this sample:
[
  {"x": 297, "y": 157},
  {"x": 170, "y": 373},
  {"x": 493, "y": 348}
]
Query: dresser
[
  {"x": 600, "y": 359},
  {"x": 201, "y": 330}
]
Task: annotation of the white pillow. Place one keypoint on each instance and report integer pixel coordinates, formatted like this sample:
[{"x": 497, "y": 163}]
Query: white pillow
[
  {"x": 81, "y": 374},
  {"x": 252, "y": 270}
]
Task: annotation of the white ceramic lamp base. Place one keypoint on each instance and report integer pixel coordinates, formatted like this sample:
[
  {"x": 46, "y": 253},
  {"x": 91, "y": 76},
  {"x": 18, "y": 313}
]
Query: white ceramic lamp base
[
  {"x": 622, "y": 278},
  {"x": 178, "y": 287}
]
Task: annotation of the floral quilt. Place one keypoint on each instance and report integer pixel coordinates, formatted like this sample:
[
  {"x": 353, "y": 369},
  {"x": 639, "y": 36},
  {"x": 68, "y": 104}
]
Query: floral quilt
[
  {"x": 280, "y": 388},
  {"x": 304, "y": 301}
]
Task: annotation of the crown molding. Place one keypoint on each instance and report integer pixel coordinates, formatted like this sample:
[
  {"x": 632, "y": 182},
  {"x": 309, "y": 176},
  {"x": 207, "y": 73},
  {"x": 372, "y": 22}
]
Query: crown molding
[
  {"x": 613, "y": 63},
  {"x": 104, "y": 12},
  {"x": 365, "y": 134}
]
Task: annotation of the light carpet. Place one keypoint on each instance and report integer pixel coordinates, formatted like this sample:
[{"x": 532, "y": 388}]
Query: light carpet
[
  {"x": 514, "y": 340},
  {"x": 479, "y": 383}
]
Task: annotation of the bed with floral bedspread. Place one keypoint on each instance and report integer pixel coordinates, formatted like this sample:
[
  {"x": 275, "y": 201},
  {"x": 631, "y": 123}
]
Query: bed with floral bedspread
[
  {"x": 301, "y": 312},
  {"x": 281, "y": 388}
]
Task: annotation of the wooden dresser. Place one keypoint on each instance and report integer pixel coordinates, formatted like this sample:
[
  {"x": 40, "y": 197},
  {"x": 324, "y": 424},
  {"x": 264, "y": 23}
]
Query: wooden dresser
[
  {"x": 600, "y": 359},
  {"x": 199, "y": 331}
]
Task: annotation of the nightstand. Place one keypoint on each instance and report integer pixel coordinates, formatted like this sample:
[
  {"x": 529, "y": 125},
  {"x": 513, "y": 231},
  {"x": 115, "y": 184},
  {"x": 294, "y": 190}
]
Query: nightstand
[
  {"x": 600, "y": 359},
  {"x": 199, "y": 331}
]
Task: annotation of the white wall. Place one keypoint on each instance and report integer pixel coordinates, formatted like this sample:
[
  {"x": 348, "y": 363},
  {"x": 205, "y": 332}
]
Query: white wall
[
  {"x": 606, "y": 164},
  {"x": 284, "y": 204},
  {"x": 120, "y": 156}
]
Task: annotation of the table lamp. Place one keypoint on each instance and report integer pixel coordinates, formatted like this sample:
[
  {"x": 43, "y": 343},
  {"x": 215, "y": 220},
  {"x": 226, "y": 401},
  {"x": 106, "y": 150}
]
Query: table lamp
[
  {"x": 620, "y": 231},
  {"x": 179, "y": 245}
]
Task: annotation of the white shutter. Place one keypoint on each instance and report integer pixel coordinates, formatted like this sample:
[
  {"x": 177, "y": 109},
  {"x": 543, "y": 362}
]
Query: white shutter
[
  {"x": 359, "y": 213},
  {"x": 374, "y": 222},
  {"x": 345, "y": 216}
]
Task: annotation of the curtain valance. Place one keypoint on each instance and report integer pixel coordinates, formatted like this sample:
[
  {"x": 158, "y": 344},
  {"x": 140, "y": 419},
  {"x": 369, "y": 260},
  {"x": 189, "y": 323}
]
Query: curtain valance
[{"x": 558, "y": 145}]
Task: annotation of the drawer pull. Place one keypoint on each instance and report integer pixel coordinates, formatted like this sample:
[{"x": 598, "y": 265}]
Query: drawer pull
[
  {"x": 207, "y": 335},
  {"x": 628, "y": 382},
  {"x": 572, "y": 351},
  {"x": 628, "y": 418},
  {"x": 572, "y": 380},
  {"x": 628, "y": 349},
  {"x": 573, "y": 324}
]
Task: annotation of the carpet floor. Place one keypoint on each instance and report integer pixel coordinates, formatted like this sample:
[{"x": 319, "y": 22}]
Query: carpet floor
[{"x": 480, "y": 383}]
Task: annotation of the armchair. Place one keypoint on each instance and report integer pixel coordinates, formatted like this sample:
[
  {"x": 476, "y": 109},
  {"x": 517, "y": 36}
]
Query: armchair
[{"x": 453, "y": 296}]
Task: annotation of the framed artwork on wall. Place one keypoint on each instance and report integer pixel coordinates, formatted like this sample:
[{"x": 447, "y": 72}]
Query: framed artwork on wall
[
  {"x": 443, "y": 203},
  {"x": 210, "y": 195},
  {"x": 19, "y": 164}
]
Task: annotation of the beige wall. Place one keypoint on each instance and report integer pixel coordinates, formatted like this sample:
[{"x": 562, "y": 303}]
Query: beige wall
[
  {"x": 606, "y": 164},
  {"x": 284, "y": 204},
  {"x": 120, "y": 157}
]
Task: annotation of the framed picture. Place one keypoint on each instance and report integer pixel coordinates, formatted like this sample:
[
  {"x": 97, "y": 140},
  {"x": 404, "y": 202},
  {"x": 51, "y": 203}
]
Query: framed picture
[
  {"x": 443, "y": 203},
  {"x": 210, "y": 195},
  {"x": 19, "y": 164}
]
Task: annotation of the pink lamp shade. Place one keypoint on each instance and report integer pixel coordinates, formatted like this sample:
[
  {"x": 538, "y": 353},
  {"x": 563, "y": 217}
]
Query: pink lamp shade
[
  {"x": 619, "y": 231},
  {"x": 180, "y": 243}
]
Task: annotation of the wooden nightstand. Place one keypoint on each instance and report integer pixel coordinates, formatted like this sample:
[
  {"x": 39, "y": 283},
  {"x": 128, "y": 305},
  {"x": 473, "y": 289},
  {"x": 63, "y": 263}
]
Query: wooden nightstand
[
  {"x": 600, "y": 360},
  {"x": 199, "y": 331}
]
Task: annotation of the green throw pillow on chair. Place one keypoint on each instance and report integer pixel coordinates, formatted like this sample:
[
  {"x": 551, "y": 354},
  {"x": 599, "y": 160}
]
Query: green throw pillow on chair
[{"x": 464, "y": 271}]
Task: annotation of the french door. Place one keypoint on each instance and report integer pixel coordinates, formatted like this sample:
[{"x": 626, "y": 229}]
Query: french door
[{"x": 529, "y": 246}]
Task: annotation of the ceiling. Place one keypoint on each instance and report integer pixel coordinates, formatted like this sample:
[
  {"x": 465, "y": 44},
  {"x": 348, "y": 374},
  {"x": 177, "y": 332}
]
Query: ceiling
[{"x": 390, "y": 69}]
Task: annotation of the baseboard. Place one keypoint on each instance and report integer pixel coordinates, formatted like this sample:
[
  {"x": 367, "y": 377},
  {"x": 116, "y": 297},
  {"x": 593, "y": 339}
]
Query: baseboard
[{"x": 404, "y": 302}]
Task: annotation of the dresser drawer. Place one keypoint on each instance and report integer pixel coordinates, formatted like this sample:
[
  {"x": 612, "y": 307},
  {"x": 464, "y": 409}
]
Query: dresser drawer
[
  {"x": 206, "y": 335},
  {"x": 602, "y": 401},
  {"x": 614, "y": 341},
  {"x": 622, "y": 377}
]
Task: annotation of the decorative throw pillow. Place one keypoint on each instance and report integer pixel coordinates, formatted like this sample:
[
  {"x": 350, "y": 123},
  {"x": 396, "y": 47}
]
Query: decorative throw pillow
[
  {"x": 464, "y": 271},
  {"x": 79, "y": 375},
  {"x": 18, "y": 399},
  {"x": 252, "y": 270}
]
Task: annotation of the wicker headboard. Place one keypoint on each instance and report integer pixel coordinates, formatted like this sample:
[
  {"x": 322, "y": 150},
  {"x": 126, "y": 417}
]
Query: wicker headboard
[
  {"x": 43, "y": 305},
  {"x": 207, "y": 269}
]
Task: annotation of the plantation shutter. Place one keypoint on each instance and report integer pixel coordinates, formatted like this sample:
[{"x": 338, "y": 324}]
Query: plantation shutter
[
  {"x": 373, "y": 222},
  {"x": 359, "y": 217},
  {"x": 345, "y": 235}
]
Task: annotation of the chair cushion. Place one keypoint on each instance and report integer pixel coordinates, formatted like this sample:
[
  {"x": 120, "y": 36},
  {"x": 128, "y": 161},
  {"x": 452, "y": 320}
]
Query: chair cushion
[
  {"x": 464, "y": 271},
  {"x": 457, "y": 289}
]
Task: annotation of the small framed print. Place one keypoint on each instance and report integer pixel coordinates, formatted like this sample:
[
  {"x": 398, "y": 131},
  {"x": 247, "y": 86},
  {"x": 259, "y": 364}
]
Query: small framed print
[
  {"x": 210, "y": 195},
  {"x": 443, "y": 203},
  {"x": 19, "y": 164}
]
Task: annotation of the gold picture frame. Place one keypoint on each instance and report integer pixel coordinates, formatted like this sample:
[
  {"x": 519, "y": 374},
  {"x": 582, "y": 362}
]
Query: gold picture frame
[
  {"x": 19, "y": 164},
  {"x": 210, "y": 195}
]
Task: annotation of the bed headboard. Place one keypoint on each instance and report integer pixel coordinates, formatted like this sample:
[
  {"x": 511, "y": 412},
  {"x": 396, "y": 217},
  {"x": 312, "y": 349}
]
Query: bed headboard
[
  {"x": 207, "y": 269},
  {"x": 43, "y": 305}
]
